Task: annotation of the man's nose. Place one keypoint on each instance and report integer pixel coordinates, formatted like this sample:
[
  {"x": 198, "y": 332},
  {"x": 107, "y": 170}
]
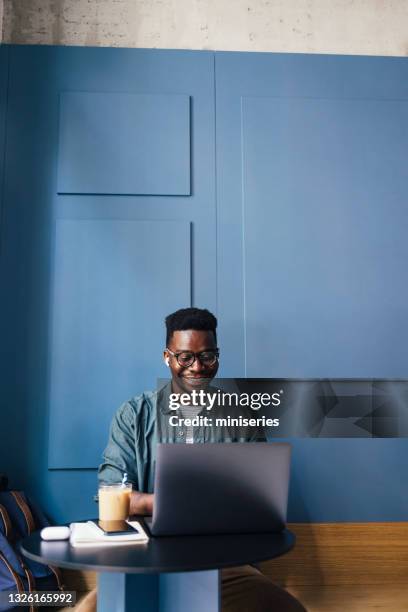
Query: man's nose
[{"x": 197, "y": 366}]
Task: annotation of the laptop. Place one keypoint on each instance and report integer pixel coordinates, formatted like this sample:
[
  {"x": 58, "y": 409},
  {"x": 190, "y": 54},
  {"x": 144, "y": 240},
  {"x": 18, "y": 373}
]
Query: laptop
[{"x": 220, "y": 488}]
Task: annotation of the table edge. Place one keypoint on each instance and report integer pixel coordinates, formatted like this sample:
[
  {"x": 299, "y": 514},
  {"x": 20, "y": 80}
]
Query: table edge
[{"x": 290, "y": 543}]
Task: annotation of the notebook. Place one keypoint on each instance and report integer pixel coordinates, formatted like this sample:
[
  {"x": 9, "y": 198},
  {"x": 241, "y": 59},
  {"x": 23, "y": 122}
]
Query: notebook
[{"x": 88, "y": 534}]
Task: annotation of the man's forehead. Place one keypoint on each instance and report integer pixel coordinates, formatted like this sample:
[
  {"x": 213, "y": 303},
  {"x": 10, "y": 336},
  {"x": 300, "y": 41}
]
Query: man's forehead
[{"x": 192, "y": 339}]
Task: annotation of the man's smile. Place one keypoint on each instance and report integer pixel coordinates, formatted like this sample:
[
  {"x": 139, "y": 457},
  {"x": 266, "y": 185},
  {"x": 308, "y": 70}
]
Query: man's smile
[{"x": 196, "y": 379}]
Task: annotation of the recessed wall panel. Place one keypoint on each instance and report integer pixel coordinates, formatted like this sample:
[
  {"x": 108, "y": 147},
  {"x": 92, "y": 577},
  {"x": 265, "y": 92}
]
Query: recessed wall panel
[
  {"x": 122, "y": 143},
  {"x": 114, "y": 283},
  {"x": 324, "y": 188}
]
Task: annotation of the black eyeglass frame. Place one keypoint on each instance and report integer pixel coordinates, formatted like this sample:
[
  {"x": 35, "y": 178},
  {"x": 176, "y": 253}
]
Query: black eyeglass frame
[{"x": 215, "y": 351}]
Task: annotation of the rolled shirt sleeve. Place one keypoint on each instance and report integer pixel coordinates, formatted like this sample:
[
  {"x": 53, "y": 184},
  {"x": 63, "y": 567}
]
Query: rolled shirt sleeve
[{"x": 119, "y": 456}]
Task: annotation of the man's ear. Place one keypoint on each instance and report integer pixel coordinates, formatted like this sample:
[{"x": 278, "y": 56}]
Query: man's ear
[{"x": 166, "y": 358}]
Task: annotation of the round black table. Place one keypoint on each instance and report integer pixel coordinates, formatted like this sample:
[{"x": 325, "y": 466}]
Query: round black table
[{"x": 177, "y": 573}]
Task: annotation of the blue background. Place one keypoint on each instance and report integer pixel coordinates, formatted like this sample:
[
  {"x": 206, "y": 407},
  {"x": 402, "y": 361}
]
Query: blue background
[{"x": 269, "y": 188}]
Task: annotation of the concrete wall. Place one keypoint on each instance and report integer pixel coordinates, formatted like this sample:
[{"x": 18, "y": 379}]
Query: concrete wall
[{"x": 371, "y": 27}]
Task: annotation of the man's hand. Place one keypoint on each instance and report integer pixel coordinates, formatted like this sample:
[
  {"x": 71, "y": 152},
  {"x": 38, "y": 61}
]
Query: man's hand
[{"x": 141, "y": 503}]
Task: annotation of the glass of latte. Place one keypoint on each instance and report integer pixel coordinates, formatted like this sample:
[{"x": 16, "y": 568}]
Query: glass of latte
[{"x": 114, "y": 502}]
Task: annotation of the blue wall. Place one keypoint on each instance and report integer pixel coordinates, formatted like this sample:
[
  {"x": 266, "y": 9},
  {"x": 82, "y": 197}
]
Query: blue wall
[
  {"x": 269, "y": 188},
  {"x": 311, "y": 191},
  {"x": 6, "y": 367}
]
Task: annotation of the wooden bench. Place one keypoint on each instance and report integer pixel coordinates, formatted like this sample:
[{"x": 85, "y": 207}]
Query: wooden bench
[{"x": 335, "y": 567}]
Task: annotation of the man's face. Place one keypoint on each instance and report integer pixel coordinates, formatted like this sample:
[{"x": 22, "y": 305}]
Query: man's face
[{"x": 197, "y": 375}]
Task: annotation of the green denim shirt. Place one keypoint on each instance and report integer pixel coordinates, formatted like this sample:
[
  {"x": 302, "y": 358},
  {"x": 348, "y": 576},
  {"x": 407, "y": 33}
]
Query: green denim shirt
[{"x": 143, "y": 421}]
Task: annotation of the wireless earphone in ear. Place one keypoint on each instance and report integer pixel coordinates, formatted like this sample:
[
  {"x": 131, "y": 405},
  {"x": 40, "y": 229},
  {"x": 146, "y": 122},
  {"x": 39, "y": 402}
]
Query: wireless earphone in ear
[{"x": 167, "y": 361}]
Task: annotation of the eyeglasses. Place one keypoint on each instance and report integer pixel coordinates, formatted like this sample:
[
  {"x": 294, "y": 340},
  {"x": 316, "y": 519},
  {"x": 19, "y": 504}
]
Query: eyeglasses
[{"x": 187, "y": 358}]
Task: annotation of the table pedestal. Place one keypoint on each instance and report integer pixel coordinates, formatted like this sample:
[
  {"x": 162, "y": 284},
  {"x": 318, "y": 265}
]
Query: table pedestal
[{"x": 175, "y": 592}]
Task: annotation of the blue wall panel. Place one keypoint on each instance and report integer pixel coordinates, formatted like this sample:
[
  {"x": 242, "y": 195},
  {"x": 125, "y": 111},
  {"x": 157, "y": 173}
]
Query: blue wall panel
[
  {"x": 25, "y": 265},
  {"x": 173, "y": 238},
  {"x": 312, "y": 187},
  {"x": 6, "y": 366},
  {"x": 4, "y": 65},
  {"x": 117, "y": 143},
  {"x": 113, "y": 286},
  {"x": 324, "y": 192}
]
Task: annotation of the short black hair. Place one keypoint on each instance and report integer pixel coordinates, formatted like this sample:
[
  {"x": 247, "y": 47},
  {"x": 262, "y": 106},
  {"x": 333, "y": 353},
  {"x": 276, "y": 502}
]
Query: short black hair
[{"x": 199, "y": 319}]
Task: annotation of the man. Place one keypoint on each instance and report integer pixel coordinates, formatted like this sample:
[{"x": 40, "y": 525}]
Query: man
[{"x": 192, "y": 354}]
